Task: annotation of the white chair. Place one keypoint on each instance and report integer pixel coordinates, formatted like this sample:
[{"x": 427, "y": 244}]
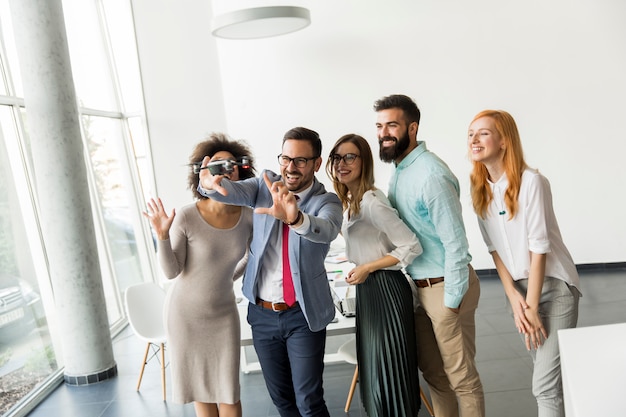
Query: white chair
[
  {"x": 144, "y": 306},
  {"x": 348, "y": 353}
]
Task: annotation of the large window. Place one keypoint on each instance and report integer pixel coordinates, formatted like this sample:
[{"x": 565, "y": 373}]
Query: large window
[
  {"x": 27, "y": 354},
  {"x": 113, "y": 180},
  {"x": 106, "y": 77}
]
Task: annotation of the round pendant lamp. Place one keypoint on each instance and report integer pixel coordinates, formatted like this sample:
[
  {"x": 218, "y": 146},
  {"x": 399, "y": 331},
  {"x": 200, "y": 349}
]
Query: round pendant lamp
[{"x": 260, "y": 22}]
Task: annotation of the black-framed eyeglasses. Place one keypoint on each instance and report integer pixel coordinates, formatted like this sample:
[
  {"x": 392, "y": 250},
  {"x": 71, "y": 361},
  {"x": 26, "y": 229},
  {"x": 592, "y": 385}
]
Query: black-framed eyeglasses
[
  {"x": 299, "y": 162},
  {"x": 348, "y": 158}
]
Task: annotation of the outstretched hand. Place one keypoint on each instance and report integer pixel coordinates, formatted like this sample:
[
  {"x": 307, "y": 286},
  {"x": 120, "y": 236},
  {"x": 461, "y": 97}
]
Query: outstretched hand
[
  {"x": 209, "y": 181},
  {"x": 160, "y": 221},
  {"x": 285, "y": 206}
]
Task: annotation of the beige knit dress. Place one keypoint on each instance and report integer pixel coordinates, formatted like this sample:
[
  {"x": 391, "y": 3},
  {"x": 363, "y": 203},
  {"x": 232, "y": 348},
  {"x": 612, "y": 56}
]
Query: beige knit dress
[{"x": 201, "y": 315}]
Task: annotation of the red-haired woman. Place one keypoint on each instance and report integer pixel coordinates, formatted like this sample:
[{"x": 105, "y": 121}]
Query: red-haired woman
[{"x": 516, "y": 217}]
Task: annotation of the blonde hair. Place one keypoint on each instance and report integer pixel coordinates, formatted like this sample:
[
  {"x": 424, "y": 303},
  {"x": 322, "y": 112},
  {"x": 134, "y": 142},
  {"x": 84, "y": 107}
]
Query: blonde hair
[{"x": 514, "y": 166}]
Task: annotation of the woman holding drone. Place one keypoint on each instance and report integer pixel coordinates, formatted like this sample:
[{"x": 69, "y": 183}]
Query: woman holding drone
[{"x": 204, "y": 246}]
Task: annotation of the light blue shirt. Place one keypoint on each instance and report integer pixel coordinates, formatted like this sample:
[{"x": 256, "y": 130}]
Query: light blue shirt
[{"x": 426, "y": 194}]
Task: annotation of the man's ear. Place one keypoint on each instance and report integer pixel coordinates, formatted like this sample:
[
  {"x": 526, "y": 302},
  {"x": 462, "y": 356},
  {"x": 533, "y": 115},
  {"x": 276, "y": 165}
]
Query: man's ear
[{"x": 318, "y": 163}]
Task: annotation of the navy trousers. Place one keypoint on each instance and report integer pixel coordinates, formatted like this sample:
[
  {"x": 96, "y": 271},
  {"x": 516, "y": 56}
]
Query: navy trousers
[{"x": 292, "y": 360}]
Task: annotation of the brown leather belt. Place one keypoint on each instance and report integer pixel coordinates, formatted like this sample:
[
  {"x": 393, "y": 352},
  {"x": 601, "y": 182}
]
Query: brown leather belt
[
  {"x": 427, "y": 282},
  {"x": 274, "y": 306}
]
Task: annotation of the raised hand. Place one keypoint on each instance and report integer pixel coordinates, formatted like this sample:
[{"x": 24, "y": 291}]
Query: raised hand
[
  {"x": 209, "y": 181},
  {"x": 285, "y": 206},
  {"x": 160, "y": 221}
]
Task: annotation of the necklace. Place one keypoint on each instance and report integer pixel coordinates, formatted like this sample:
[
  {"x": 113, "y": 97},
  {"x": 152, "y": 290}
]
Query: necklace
[{"x": 498, "y": 200}]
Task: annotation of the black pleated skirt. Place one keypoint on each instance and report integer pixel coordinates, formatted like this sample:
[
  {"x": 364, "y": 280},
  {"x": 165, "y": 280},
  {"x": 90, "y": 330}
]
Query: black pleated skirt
[{"x": 386, "y": 346}]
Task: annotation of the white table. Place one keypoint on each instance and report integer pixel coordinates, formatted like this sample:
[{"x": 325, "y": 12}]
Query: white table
[
  {"x": 593, "y": 365},
  {"x": 344, "y": 325}
]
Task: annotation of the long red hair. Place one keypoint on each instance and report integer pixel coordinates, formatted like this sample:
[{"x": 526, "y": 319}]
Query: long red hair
[{"x": 514, "y": 165}]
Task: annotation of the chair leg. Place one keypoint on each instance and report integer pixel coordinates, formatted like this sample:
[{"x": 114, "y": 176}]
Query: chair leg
[
  {"x": 163, "y": 369},
  {"x": 143, "y": 366},
  {"x": 426, "y": 403},
  {"x": 352, "y": 388},
  {"x": 355, "y": 378}
]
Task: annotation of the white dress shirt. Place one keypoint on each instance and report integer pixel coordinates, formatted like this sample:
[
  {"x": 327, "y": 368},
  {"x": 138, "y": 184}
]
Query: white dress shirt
[
  {"x": 377, "y": 231},
  {"x": 533, "y": 229},
  {"x": 270, "y": 284}
]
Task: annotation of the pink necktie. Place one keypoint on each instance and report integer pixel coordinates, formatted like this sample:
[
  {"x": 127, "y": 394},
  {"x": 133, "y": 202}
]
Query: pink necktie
[{"x": 288, "y": 292}]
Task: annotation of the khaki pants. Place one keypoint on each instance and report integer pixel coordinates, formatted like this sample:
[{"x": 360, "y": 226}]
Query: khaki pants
[{"x": 446, "y": 351}]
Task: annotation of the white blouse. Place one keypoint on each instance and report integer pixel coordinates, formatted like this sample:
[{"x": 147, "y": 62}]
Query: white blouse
[
  {"x": 377, "y": 231},
  {"x": 533, "y": 229}
]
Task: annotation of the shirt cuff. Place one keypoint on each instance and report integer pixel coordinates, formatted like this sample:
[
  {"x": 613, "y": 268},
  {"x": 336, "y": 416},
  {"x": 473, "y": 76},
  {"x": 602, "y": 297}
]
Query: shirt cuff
[
  {"x": 304, "y": 227},
  {"x": 206, "y": 193},
  {"x": 539, "y": 246},
  {"x": 452, "y": 301}
]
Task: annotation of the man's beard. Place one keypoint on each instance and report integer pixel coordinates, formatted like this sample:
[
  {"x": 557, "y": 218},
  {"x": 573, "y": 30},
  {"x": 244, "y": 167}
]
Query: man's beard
[{"x": 391, "y": 153}]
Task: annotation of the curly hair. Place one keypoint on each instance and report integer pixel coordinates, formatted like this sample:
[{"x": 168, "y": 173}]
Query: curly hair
[{"x": 214, "y": 143}]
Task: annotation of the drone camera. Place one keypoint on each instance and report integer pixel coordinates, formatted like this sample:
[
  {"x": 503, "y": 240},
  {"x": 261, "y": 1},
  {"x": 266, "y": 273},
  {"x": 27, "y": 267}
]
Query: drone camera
[{"x": 222, "y": 167}]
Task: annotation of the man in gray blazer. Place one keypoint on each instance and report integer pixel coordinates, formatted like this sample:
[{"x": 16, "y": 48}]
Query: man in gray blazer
[{"x": 290, "y": 299}]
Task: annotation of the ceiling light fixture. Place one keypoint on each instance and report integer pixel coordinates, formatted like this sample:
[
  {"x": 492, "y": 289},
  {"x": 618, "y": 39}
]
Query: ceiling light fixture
[{"x": 260, "y": 22}]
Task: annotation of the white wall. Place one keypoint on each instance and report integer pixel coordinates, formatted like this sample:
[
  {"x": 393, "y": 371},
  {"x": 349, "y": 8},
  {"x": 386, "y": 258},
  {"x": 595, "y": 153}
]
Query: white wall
[
  {"x": 558, "y": 67},
  {"x": 182, "y": 88}
]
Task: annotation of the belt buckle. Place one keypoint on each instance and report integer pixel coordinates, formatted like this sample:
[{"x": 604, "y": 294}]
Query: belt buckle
[
  {"x": 431, "y": 283},
  {"x": 275, "y": 309}
]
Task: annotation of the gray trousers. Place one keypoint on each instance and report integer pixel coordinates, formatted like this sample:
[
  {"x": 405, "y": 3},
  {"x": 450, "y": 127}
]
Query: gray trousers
[{"x": 558, "y": 308}]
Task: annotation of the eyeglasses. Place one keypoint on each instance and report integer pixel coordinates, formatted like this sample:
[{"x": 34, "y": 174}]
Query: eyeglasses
[
  {"x": 300, "y": 162},
  {"x": 348, "y": 158}
]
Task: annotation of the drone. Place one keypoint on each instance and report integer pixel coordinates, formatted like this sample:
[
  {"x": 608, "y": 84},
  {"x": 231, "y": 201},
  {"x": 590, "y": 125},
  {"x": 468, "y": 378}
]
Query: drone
[{"x": 221, "y": 167}]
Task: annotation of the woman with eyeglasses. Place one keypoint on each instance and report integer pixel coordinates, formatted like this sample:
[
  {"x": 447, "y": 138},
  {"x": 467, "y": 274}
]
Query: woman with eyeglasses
[{"x": 379, "y": 244}]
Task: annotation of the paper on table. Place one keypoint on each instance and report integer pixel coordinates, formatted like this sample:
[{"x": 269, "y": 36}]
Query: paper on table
[
  {"x": 336, "y": 259},
  {"x": 336, "y": 276}
]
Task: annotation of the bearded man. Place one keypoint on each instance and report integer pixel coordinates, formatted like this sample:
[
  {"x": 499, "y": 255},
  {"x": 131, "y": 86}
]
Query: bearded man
[{"x": 426, "y": 195}]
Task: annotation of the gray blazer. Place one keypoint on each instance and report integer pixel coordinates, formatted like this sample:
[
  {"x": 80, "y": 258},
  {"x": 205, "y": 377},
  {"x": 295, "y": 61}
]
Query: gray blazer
[{"x": 307, "y": 252}]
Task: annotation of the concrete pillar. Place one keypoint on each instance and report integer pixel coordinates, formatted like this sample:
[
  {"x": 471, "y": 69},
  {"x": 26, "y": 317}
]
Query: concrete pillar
[{"x": 61, "y": 190}]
